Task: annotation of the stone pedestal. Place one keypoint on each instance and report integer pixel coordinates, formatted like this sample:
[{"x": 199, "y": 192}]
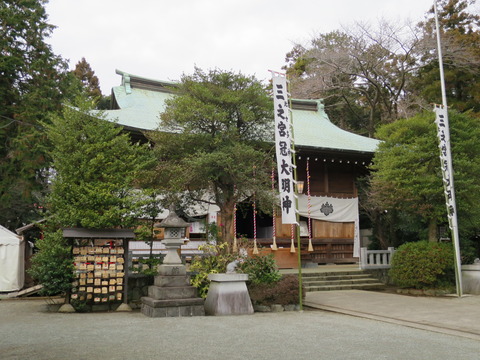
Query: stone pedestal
[
  {"x": 228, "y": 295},
  {"x": 171, "y": 295},
  {"x": 471, "y": 279}
]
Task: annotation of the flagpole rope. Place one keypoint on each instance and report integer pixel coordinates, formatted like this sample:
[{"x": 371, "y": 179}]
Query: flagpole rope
[
  {"x": 255, "y": 247},
  {"x": 292, "y": 236},
  {"x": 274, "y": 214},
  {"x": 235, "y": 245},
  {"x": 309, "y": 206}
]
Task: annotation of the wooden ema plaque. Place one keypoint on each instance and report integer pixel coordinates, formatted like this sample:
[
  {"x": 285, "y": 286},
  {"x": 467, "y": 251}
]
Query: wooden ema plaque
[{"x": 100, "y": 270}]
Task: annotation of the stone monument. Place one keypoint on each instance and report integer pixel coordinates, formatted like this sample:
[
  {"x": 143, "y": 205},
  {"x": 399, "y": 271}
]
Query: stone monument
[
  {"x": 471, "y": 278},
  {"x": 228, "y": 293},
  {"x": 172, "y": 295}
]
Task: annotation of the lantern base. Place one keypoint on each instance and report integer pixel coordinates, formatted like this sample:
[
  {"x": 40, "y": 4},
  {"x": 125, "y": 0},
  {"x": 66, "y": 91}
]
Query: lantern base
[
  {"x": 175, "y": 269},
  {"x": 172, "y": 295},
  {"x": 172, "y": 308}
]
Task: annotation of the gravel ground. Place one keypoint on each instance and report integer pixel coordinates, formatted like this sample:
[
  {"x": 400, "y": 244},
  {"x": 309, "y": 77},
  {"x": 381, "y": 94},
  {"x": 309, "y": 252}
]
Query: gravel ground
[{"x": 29, "y": 331}]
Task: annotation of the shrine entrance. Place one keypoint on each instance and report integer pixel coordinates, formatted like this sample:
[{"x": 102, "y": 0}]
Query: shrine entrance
[
  {"x": 332, "y": 243},
  {"x": 329, "y": 215}
]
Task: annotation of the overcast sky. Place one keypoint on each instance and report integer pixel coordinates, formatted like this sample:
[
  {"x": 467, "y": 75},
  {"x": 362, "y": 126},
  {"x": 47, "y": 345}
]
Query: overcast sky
[{"x": 161, "y": 39}]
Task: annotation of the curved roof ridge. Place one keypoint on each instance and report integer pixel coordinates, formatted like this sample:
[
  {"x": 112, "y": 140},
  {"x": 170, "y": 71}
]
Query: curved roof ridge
[
  {"x": 314, "y": 129},
  {"x": 140, "y": 108},
  {"x": 132, "y": 76}
]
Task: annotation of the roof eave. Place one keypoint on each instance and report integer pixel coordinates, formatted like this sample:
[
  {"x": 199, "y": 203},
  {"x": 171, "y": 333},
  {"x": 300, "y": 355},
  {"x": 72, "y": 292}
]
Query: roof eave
[{"x": 365, "y": 153}]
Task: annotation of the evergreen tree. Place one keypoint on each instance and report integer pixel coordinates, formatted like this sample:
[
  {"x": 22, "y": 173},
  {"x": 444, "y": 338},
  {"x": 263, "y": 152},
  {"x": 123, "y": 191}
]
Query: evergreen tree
[
  {"x": 460, "y": 37},
  {"x": 52, "y": 266},
  {"x": 212, "y": 140},
  {"x": 89, "y": 80},
  {"x": 407, "y": 180},
  {"x": 95, "y": 170},
  {"x": 32, "y": 83}
]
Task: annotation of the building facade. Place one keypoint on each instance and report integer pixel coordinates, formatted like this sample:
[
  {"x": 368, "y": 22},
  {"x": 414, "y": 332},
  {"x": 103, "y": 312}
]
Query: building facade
[{"x": 329, "y": 162}]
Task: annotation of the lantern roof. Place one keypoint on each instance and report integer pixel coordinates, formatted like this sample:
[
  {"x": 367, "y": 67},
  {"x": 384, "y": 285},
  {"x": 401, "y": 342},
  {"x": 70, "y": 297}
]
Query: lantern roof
[{"x": 173, "y": 221}]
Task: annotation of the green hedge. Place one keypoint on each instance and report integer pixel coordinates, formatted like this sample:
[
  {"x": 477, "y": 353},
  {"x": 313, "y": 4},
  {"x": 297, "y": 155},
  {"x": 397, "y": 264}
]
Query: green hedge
[
  {"x": 423, "y": 265},
  {"x": 282, "y": 292},
  {"x": 260, "y": 269}
]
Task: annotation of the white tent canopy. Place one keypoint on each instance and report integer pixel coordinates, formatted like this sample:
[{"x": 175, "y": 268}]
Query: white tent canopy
[{"x": 12, "y": 261}]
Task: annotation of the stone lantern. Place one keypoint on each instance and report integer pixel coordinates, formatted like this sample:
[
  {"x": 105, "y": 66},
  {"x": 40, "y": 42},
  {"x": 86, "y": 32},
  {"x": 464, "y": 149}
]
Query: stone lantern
[
  {"x": 172, "y": 294},
  {"x": 174, "y": 230}
]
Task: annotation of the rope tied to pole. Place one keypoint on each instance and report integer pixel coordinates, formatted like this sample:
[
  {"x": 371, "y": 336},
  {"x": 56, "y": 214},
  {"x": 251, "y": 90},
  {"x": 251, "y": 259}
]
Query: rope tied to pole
[
  {"x": 255, "y": 247},
  {"x": 309, "y": 205},
  {"x": 292, "y": 236},
  {"x": 235, "y": 245},
  {"x": 274, "y": 214}
]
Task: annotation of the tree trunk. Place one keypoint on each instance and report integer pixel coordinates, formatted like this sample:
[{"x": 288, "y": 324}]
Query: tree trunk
[
  {"x": 152, "y": 238},
  {"x": 380, "y": 231},
  {"x": 432, "y": 231},
  {"x": 227, "y": 221},
  {"x": 371, "y": 123}
]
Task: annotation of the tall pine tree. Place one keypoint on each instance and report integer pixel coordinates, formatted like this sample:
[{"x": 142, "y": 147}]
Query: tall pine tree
[
  {"x": 32, "y": 83},
  {"x": 211, "y": 142},
  {"x": 95, "y": 170},
  {"x": 83, "y": 71},
  {"x": 460, "y": 36}
]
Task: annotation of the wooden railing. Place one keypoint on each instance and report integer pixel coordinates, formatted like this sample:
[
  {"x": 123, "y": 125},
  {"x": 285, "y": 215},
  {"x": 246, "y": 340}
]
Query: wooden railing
[{"x": 376, "y": 259}]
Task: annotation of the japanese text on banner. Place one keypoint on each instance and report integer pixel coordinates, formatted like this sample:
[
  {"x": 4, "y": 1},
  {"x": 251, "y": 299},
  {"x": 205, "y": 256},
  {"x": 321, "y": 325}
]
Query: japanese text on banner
[
  {"x": 445, "y": 157},
  {"x": 283, "y": 146}
]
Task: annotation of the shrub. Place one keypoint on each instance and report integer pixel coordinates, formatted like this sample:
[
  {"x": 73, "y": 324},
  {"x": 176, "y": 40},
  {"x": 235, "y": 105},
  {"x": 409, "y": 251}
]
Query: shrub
[
  {"x": 52, "y": 266},
  {"x": 214, "y": 260},
  {"x": 80, "y": 306},
  {"x": 282, "y": 292},
  {"x": 260, "y": 269},
  {"x": 147, "y": 266},
  {"x": 423, "y": 265}
]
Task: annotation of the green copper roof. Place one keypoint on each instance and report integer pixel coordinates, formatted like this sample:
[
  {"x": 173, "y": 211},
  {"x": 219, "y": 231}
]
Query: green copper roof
[
  {"x": 140, "y": 109},
  {"x": 140, "y": 101},
  {"x": 314, "y": 129}
]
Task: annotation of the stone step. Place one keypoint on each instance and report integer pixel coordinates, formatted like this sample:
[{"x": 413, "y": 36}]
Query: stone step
[
  {"x": 341, "y": 282},
  {"x": 337, "y": 277},
  {"x": 333, "y": 273},
  {"x": 372, "y": 286}
]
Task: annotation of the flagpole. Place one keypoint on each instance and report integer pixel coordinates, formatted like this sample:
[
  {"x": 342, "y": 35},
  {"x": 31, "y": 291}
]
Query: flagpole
[
  {"x": 297, "y": 233},
  {"x": 440, "y": 57},
  {"x": 286, "y": 161},
  {"x": 448, "y": 183}
]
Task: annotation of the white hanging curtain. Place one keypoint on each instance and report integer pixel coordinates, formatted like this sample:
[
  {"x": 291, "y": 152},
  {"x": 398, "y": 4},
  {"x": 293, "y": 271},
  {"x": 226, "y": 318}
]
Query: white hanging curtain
[{"x": 335, "y": 210}]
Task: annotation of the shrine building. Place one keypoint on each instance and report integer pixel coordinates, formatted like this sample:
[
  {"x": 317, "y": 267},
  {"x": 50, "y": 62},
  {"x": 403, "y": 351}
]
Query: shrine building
[{"x": 333, "y": 158}]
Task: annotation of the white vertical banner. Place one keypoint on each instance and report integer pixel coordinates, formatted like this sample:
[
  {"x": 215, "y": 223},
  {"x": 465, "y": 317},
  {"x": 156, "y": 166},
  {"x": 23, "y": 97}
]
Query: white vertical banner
[
  {"x": 443, "y": 132},
  {"x": 283, "y": 146}
]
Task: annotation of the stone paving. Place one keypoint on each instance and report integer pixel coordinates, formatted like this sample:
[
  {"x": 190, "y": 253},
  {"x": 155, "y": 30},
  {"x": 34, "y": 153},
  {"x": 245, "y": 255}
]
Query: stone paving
[
  {"x": 446, "y": 314},
  {"x": 28, "y": 331}
]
